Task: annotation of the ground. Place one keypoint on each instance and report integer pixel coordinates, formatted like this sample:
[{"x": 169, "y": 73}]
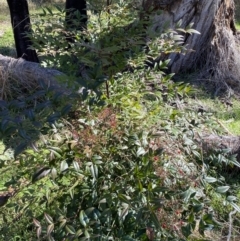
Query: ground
[{"x": 227, "y": 112}]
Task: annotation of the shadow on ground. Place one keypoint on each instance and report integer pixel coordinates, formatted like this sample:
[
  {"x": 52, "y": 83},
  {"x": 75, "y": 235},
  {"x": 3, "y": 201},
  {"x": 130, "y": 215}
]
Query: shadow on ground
[{"x": 8, "y": 51}]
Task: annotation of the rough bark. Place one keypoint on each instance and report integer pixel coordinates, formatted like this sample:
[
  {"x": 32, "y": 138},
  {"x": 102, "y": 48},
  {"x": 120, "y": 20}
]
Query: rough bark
[
  {"x": 21, "y": 25},
  {"x": 216, "y": 51},
  {"x": 28, "y": 74}
]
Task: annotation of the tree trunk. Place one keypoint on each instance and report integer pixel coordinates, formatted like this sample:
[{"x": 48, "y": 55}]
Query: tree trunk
[
  {"x": 214, "y": 54},
  {"x": 73, "y": 7},
  {"x": 21, "y": 25}
]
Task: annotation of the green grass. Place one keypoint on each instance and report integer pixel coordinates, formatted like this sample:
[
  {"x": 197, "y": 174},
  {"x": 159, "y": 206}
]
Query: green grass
[
  {"x": 228, "y": 114},
  {"x": 237, "y": 24},
  {"x": 7, "y": 46},
  {"x": 237, "y": 14},
  {"x": 234, "y": 127}
]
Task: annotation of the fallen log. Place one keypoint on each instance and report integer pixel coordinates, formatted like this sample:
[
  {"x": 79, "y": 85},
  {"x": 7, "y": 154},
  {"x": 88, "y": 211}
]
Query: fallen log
[
  {"x": 28, "y": 75},
  {"x": 215, "y": 142}
]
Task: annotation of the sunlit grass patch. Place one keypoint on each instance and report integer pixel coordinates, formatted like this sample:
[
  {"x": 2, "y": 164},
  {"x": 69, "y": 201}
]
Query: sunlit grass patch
[
  {"x": 229, "y": 116},
  {"x": 234, "y": 126},
  {"x": 7, "y": 46},
  {"x": 237, "y": 24}
]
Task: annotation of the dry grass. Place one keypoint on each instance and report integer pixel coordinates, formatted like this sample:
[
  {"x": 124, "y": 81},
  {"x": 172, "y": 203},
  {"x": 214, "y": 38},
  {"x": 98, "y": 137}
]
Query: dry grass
[
  {"x": 11, "y": 88},
  {"x": 3, "y": 83},
  {"x": 3, "y": 9},
  {"x": 19, "y": 78}
]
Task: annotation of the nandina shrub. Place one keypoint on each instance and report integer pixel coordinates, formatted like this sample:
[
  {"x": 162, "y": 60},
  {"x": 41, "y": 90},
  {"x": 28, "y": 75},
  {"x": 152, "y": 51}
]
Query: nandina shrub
[{"x": 101, "y": 173}]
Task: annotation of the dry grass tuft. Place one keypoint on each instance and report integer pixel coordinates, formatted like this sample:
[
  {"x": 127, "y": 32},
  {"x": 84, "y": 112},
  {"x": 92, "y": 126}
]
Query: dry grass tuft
[
  {"x": 19, "y": 78},
  {"x": 4, "y": 87},
  {"x": 4, "y": 7},
  {"x": 11, "y": 88}
]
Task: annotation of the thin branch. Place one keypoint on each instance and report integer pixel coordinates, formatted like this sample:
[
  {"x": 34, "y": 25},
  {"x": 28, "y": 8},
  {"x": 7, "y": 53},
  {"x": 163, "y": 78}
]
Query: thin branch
[{"x": 230, "y": 225}]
